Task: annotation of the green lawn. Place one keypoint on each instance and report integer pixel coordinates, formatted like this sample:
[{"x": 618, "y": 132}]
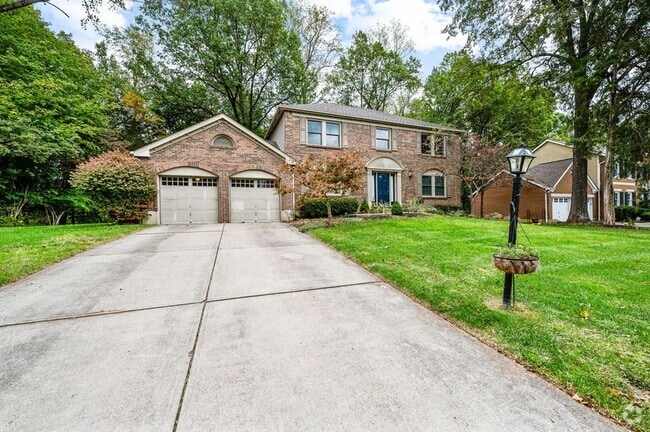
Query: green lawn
[
  {"x": 583, "y": 320},
  {"x": 25, "y": 250}
]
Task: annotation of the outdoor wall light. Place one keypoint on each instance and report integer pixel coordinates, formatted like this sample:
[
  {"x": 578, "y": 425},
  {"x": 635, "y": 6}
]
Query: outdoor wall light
[{"x": 410, "y": 173}]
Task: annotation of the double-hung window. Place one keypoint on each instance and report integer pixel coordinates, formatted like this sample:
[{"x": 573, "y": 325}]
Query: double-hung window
[
  {"x": 433, "y": 185},
  {"x": 323, "y": 133},
  {"x": 382, "y": 139},
  {"x": 433, "y": 144}
]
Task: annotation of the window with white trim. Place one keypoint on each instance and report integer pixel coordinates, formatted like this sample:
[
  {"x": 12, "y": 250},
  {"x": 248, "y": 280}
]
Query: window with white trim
[
  {"x": 433, "y": 185},
  {"x": 434, "y": 144},
  {"x": 323, "y": 133},
  {"x": 382, "y": 139}
]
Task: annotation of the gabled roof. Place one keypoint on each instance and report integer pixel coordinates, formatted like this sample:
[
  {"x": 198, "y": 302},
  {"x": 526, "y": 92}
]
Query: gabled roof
[
  {"x": 560, "y": 143},
  {"x": 548, "y": 174},
  {"x": 145, "y": 151},
  {"x": 354, "y": 113}
]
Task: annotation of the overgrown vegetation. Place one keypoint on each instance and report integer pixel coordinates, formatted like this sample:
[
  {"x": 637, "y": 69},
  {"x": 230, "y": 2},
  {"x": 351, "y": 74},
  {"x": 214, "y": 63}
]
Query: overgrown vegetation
[
  {"x": 582, "y": 320},
  {"x": 26, "y": 250},
  {"x": 119, "y": 185}
]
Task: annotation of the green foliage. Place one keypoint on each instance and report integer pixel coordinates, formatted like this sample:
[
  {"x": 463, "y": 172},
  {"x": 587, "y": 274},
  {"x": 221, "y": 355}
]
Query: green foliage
[
  {"x": 52, "y": 114},
  {"x": 365, "y": 207},
  {"x": 499, "y": 103},
  {"x": 645, "y": 216},
  {"x": 517, "y": 252},
  {"x": 317, "y": 208},
  {"x": 118, "y": 184},
  {"x": 213, "y": 56},
  {"x": 627, "y": 213},
  {"x": 369, "y": 74},
  {"x": 396, "y": 209}
]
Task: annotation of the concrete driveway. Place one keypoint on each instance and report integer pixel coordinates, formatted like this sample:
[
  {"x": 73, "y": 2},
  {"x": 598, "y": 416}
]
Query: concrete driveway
[{"x": 245, "y": 328}]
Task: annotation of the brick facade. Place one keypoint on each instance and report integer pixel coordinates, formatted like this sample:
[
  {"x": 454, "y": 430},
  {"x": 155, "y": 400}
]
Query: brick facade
[
  {"x": 196, "y": 150},
  {"x": 357, "y": 135},
  {"x": 497, "y": 195}
]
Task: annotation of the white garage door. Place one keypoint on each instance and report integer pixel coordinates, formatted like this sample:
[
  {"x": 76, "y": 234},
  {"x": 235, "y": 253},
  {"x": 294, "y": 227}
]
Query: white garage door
[
  {"x": 187, "y": 200},
  {"x": 254, "y": 200},
  {"x": 561, "y": 207}
]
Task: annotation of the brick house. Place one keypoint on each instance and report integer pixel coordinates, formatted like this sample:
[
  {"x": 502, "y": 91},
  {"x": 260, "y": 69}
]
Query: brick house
[
  {"x": 219, "y": 171},
  {"x": 547, "y": 187}
]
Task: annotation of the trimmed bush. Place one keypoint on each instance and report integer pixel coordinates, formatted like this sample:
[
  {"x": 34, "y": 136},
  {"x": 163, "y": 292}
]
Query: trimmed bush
[
  {"x": 365, "y": 207},
  {"x": 118, "y": 184},
  {"x": 645, "y": 216},
  {"x": 317, "y": 208},
  {"x": 396, "y": 209},
  {"x": 625, "y": 213}
]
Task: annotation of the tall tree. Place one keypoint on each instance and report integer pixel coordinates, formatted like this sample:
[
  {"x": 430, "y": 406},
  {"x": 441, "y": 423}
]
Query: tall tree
[
  {"x": 52, "y": 113},
  {"x": 232, "y": 56},
  {"x": 573, "y": 43},
  {"x": 369, "y": 75},
  {"x": 320, "y": 44},
  {"x": 500, "y": 104}
]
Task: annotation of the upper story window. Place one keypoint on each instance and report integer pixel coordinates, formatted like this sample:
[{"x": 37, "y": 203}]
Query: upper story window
[
  {"x": 322, "y": 133},
  {"x": 222, "y": 141},
  {"x": 382, "y": 139},
  {"x": 434, "y": 144},
  {"x": 433, "y": 184}
]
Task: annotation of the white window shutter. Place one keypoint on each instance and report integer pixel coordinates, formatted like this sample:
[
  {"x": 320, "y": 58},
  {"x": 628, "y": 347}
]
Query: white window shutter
[
  {"x": 373, "y": 135},
  {"x": 344, "y": 135},
  {"x": 419, "y": 177},
  {"x": 393, "y": 141},
  {"x": 303, "y": 130},
  {"x": 448, "y": 185}
]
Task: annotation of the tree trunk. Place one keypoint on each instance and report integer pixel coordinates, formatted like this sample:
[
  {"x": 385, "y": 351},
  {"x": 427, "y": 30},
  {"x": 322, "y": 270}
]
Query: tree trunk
[
  {"x": 19, "y": 4},
  {"x": 329, "y": 212},
  {"x": 607, "y": 188},
  {"x": 579, "y": 212}
]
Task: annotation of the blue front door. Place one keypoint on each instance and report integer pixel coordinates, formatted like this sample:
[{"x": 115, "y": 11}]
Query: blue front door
[{"x": 382, "y": 191}]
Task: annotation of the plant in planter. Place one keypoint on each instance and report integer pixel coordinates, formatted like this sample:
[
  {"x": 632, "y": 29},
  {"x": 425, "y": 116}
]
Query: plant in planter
[{"x": 516, "y": 259}]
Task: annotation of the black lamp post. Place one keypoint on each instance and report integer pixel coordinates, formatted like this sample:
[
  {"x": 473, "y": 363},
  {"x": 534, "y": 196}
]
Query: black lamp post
[{"x": 520, "y": 160}]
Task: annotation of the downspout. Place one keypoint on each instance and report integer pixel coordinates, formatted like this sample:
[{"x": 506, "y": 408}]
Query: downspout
[
  {"x": 546, "y": 205},
  {"x": 293, "y": 194}
]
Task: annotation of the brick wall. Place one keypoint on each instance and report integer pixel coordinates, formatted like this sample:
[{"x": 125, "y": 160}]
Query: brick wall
[
  {"x": 196, "y": 150},
  {"x": 358, "y": 136},
  {"x": 498, "y": 194}
]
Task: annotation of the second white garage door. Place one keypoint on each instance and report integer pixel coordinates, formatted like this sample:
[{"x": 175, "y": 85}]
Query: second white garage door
[{"x": 254, "y": 200}]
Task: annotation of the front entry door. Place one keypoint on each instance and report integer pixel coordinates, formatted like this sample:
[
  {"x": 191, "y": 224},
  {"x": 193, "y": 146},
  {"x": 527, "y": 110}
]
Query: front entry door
[{"x": 382, "y": 194}]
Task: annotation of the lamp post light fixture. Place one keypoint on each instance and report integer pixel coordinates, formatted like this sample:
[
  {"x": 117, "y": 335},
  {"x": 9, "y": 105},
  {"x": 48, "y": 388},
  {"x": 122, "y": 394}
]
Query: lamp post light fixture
[{"x": 519, "y": 160}]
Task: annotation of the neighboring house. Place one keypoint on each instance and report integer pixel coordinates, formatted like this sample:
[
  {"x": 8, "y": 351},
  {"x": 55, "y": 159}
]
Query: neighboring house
[
  {"x": 545, "y": 195},
  {"x": 219, "y": 171},
  {"x": 547, "y": 190},
  {"x": 624, "y": 184}
]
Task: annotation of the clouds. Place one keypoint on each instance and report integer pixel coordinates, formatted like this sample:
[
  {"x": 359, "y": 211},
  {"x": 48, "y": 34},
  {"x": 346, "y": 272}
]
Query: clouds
[
  {"x": 424, "y": 19},
  {"x": 84, "y": 38}
]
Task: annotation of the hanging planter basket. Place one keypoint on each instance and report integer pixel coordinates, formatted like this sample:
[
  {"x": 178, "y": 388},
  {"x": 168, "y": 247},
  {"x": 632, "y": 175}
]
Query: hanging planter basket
[{"x": 515, "y": 265}]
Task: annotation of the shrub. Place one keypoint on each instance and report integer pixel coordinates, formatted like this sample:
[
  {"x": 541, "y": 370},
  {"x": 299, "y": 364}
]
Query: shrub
[
  {"x": 645, "y": 216},
  {"x": 119, "y": 185},
  {"x": 365, "y": 207},
  {"x": 625, "y": 213},
  {"x": 448, "y": 209},
  {"x": 396, "y": 209},
  {"x": 413, "y": 205},
  {"x": 316, "y": 208}
]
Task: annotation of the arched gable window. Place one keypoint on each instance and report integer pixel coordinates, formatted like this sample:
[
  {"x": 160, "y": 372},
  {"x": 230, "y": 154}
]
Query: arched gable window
[{"x": 222, "y": 141}]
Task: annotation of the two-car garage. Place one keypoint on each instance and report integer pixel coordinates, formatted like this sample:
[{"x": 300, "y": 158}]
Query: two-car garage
[{"x": 191, "y": 196}]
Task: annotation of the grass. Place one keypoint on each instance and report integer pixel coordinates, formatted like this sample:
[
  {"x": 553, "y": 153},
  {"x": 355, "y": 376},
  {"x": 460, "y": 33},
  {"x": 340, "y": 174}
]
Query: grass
[
  {"x": 582, "y": 321},
  {"x": 26, "y": 250}
]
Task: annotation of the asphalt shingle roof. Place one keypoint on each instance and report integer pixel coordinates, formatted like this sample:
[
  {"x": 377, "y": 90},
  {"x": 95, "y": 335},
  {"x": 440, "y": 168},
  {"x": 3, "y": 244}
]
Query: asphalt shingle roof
[
  {"x": 549, "y": 173},
  {"x": 361, "y": 114}
]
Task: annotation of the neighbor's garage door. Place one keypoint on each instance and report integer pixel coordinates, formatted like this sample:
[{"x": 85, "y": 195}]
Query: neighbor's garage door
[
  {"x": 561, "y": 208},
  {"x": 186, "y": 200},
  {"x": 254, "y": 200}
]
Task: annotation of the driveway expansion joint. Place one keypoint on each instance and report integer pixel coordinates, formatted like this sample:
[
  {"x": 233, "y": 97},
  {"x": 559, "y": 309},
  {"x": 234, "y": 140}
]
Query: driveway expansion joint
[
  {"x": 278, "y": 293},
  {"x": 196, "y": 338}
]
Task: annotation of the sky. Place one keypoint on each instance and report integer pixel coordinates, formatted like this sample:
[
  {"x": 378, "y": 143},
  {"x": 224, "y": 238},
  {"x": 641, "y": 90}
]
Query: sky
[{"x": 423, "y": 18}]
